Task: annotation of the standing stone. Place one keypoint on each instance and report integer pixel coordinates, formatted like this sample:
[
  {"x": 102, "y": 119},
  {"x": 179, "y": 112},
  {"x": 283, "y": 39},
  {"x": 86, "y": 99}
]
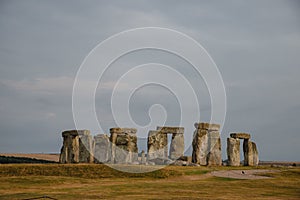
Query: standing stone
[
  {"x": 132, "y": 147},
  {"x": 255, "y": 154},
  {"x": 157, "y": 145},
  {"x": 77, "y": 147},
  {"x": 200, "y": 147},
  {"x": 70, "y": 149},
  {"x": 233, "y": 151},
  {"x": 113, "y": 140},
  {"x": 214, "y": 156},
  {"x": 143, "y": 158},
  {"x": 248, "y": 153},
  {"x": 249, "y": 150},
  {"x": 177, "y": 146},
  {"x": 122, "y": 151},
  {"x": 177, "y": 142},
  {"x": 124, "y": 145},
  {"x": 207, "y": 144},
  {"x": 85, "y": 147},
  {"x": 102, "y": 148}
]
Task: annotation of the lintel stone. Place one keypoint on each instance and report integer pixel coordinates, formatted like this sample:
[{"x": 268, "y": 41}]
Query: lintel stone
[
  {"x": 207, "y": 126},
  {"x": 240, "y": 135},
  {"x": 170, "y": 129}
]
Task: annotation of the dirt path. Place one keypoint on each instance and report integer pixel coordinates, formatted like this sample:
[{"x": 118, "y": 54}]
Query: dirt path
[{"x": 242, "y": 174}]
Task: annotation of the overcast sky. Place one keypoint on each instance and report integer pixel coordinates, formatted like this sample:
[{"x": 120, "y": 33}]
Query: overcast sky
[{"x": 255, "y": 45}]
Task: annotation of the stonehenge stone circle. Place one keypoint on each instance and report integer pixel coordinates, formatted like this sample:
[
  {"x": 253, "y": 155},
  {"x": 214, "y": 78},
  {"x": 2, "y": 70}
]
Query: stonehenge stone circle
[
  {"x": 207, "y": 144},
  {"x": 121, "y": 147},
  {"x": 249, "y": 149}
]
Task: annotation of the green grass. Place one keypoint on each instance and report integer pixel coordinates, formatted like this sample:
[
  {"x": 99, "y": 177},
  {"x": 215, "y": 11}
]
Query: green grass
[{"x": 21, "y": 181}]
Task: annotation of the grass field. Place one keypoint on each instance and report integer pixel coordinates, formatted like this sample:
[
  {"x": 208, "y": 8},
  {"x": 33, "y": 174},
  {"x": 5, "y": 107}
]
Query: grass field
[{"x": 25, "y": 181}]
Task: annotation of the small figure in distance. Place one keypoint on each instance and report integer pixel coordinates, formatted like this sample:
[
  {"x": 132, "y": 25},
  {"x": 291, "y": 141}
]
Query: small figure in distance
[{"x": 243, "y": 172}]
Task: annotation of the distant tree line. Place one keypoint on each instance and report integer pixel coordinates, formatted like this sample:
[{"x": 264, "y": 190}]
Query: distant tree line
[{"x": 12, "y": 159}]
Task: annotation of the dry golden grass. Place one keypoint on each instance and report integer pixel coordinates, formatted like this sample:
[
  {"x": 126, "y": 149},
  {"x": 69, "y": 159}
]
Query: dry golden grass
[{"x": 102, "y": 182}]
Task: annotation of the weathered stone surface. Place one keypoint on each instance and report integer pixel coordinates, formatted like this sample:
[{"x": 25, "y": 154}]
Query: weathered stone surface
[
  {"x": 179, "y": 163},
  {"x": 207, "y": 126},
  {"x": 123, "y": 130},
  {"x": 101, "y": 148},
  {"x": 70, "y": 149},
  {"x": 170, "y": 129},
  {"x": 157, "y": 145},
  {"x": 122, "y": 139},
  {"x": 207, "y": 144},
  {"x": 200, "y": 147},
  {"x": 188, "y": 159},
  {"x": 249, "y": 150},
  {"x": 240, "y": 135},
  {"x": 177, "y": 146},
  {"x": 255, "y": 154},
  {"x": 233, "y": 151},
  {"x": 124, "y": 145},
  {"x": 86, "y": 148},
  {"x": 248, "y": 153},
  {"x": 214, "y": 156},
  {"x": 77, "y": 147},
  {"x": 143, "y": 158},
  {"x": 122, "y": 155}
]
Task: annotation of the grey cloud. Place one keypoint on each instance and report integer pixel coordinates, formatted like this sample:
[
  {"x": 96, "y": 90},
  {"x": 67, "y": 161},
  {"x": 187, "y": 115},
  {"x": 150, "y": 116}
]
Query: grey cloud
[{"x": 255, "y": 45}]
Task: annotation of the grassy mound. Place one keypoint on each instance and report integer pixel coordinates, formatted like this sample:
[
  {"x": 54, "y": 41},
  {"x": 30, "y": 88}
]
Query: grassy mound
[{"x": 82, "y": 171}]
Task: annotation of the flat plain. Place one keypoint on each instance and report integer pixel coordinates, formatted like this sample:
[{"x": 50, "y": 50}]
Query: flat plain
[{"x": 97, "y": 181}]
